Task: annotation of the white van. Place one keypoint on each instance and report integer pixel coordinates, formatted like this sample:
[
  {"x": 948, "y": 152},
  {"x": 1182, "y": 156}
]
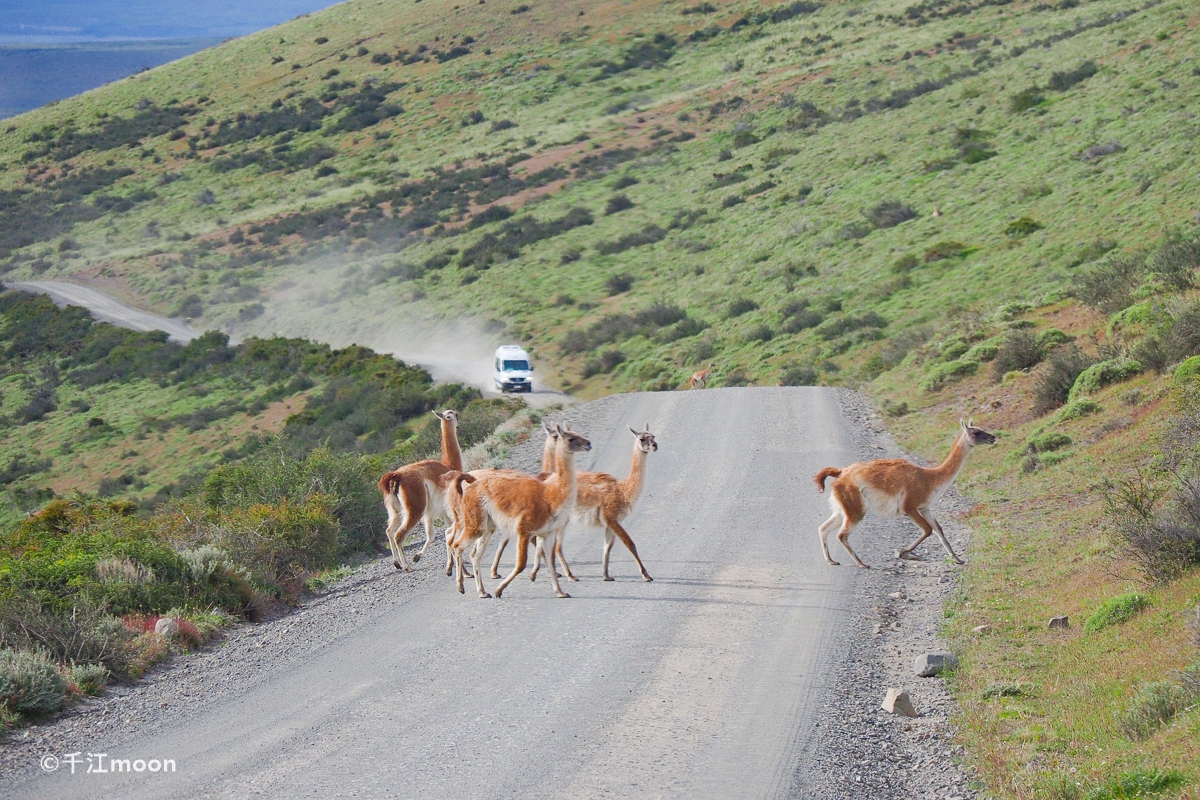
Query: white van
[{"x": 513, "y": 372}]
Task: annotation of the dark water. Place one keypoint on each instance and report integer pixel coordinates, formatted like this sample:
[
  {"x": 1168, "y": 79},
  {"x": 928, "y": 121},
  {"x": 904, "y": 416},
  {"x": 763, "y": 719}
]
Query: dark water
[
  {"x": 53, "y": 49},
  {"x": 32, "y": 75}
]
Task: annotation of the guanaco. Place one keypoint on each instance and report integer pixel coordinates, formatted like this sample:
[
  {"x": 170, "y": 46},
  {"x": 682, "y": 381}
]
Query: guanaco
[
  {"x": 700, "y": 379},
  {"x": 603, "y": 501},
  {"x": 523, "y": 506},
  {"x": 418, "y": 491},
  {"x": 891, "y": 487}
]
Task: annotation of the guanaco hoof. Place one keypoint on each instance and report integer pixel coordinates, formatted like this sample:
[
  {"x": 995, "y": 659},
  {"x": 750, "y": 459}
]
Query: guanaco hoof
[
  {"x": 396, "y": 564},
  {"x": 907, "y": 556},
  {"x": 563, "y": 594},
  {"x": 608, "y": 577},
  {"x": 647, "y": 579},
  {"x": 416, "y": 557}
]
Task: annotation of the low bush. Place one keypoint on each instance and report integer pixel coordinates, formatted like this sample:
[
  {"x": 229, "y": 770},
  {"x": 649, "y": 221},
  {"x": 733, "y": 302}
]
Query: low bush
[
  {"x": 1115, "y": 611},
  {"x": 741, "y": 305},
  {"x": 948, "y": 372},
  {"x": 799, "y": 375},
  {"x": 1079, "y": 409},
  {"x": 944, "y": 250},
  {"x": 1051, "y": 338},
  {"x": 1110, "y": 285},
  {"x": 89, "y": 678},
  {"x": 1157, "y": 522},
  {"x": 618, "y": 284},
  {"x": 617, "y": 203},
  {"x": 760, "y": 333},
  {"x": 1097, "y": 376},
  {"x": 1048, "y": 442},
  {"x": 833, "y": 328},
  {"x": 1018, "y": 351},
  {"x": 889, "y": 214},
  {"x": 905, "y": 263},
  {"x": 1154, "y": 705},
  {"x": 1024, "y": 100},
  {"x": 1053, "y": 386},
  {"x": 29, "y": 682},
  {"x": 1022, "y": 227}
]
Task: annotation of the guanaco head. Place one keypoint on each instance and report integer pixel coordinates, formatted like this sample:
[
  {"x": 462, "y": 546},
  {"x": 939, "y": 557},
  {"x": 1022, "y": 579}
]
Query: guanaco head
[
  {"x": 973, "y": 435},
  {"x": 449, "y": 415},
  {"x": 573, "y": 441},
  {"x": 645, "y": 439}
]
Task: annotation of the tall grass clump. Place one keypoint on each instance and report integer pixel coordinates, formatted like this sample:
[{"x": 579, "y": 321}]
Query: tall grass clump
[
  {"x": 29, "y": 682},
  {"x": 1115, "y": 611}
]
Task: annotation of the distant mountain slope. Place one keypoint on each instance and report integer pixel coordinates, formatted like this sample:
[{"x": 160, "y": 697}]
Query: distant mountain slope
[{"x": 632, "y": 189}]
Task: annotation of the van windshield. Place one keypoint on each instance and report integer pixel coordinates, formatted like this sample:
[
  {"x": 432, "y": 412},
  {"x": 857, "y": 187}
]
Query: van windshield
[{"x": 516, "y": 365}]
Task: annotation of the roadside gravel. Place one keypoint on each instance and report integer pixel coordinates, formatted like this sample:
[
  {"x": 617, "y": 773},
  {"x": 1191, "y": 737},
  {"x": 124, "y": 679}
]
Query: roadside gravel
[{"x": 856, "y": 750}]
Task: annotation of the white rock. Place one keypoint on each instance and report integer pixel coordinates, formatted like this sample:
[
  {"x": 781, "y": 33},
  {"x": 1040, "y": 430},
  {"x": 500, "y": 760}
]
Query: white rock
[
  {"x": 982, "y": 629},
  {"x": 931, "y": 664},
  {"x": 898, "y": 596},
  {"x": 1059, "y": 622},
  {"x": 167, "y": 627},
  {"x": 897, "y": 702}
]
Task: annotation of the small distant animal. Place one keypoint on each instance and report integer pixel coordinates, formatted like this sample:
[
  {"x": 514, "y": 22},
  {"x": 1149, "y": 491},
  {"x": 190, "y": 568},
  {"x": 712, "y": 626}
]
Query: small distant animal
[
  {"x": 700, "y": 379},
  {"x": 937, "y": 212},
  {"x": 891, "y": 487}
]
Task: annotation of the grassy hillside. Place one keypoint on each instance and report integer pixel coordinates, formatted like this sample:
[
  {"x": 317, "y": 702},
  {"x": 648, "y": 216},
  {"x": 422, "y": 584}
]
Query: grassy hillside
[{"x": 968, "y": 208}]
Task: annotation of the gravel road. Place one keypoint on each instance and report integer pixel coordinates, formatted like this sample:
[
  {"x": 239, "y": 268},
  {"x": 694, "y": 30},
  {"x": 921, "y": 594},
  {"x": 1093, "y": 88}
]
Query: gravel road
[
  {"x": 107, "y": 308},
  {"x": 748, "y": 668}
]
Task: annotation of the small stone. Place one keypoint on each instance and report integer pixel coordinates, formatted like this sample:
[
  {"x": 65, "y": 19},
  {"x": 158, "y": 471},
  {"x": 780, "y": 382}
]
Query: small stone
[
  {"x": 1062, "y": 622},
  {"x": 898, "y": 596},
  {"x": 931, "y": 664},
  {"x": 982, "y": 629},
  {"x": 897, "y": 702},
  {"x": 167, "y": 627}
]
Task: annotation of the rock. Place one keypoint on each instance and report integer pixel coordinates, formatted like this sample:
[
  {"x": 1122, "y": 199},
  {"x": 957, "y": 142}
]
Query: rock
[
  {"x": 1062, "y": 622},
  {"x": 982, "y": 629},
  {"x": 167, "y": 627},
  {"x": 896, "y": 701},
  {"x": 931, "y": 664},
  {"x": 898, "y": 595}
]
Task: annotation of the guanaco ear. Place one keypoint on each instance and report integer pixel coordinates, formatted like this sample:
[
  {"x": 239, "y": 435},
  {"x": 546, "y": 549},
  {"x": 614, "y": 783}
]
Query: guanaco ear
[
  {"x": 962, "y": 423},
  {"x": 558, "y": 428},
  {"x": 635, "y": 433},
  {"x": 437, "y": 414},
  {"x": 647, "y": 429},
  {"x": 970, "y": 422}
]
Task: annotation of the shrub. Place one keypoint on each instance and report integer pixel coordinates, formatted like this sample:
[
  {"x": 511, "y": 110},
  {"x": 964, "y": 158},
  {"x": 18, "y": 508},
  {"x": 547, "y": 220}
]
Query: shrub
[
  {"x": 732, "y": 200},
  {"x": 833, "y": 328},
  {"x": 1099, "y": 151},
  {"x": 945, "y": 373},
  {"x": 648, "y": 235},
  {"x": 797, "y": 375},
  {"x": 1061, "y": 81},
  {"x": 81, "y": 632},
  {"x": 1019, "y": 351},
  {"x": 984, "y": 351},
  {"x": 1153, "y": 706},
  {"x": 89, "y": 678},
  {"x": 1097, "y": 376},
  {"x": 1185, "y": 374},
  {"x": 889, "y": 214},
  {"x": 1176, "y": 263},
  {"x": 502, "y": 125},
  {"x": 761, "y": 333},
  {"x": 1079, "y": 409},
  {"x": 900, "y": 409},
  {"x": 617, "y": 203},
  {"x": 606, "y": 362},
  {"x": 29, "y": 682},
  {"x": 1024, "y": 100},
  {"x": 1022, "y": 227},
  {"x": 905, "y": 263},
  {"x": 1162, "y": 537},
  {"x": 1110, "y": 286},
  {"x": 1051, "y": 338},
  {"x": 1115, "y": 611},
  {"x": 740, "y": 306},
  {"x": 618, "y": 284},
  {"x": 1048, "y": 442}
]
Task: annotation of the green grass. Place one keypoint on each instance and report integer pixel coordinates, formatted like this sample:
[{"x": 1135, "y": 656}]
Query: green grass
[{"x": 1115, "y": 611}]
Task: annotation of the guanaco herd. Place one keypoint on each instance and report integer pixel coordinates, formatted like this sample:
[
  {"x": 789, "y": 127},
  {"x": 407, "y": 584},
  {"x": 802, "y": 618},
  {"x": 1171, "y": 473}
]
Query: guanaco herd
[{"x": 536, "y": 509}]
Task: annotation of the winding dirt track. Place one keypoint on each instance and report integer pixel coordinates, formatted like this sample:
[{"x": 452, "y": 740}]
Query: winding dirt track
[{"x": 704, "y": 683}]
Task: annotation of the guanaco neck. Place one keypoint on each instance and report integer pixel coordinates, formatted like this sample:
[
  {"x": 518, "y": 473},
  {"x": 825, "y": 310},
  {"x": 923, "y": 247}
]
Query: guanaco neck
[
  {"x": 948, "y": 470},
  {"x": 564, "y": 474},
  {"x": 548, "y": 454},
  {"x": 631, "y": 487},
  {"x": 451, "y": 452}
]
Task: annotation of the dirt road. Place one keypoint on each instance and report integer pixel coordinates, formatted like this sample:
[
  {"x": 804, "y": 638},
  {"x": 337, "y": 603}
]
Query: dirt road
[{"x": 707, "y": 682}]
